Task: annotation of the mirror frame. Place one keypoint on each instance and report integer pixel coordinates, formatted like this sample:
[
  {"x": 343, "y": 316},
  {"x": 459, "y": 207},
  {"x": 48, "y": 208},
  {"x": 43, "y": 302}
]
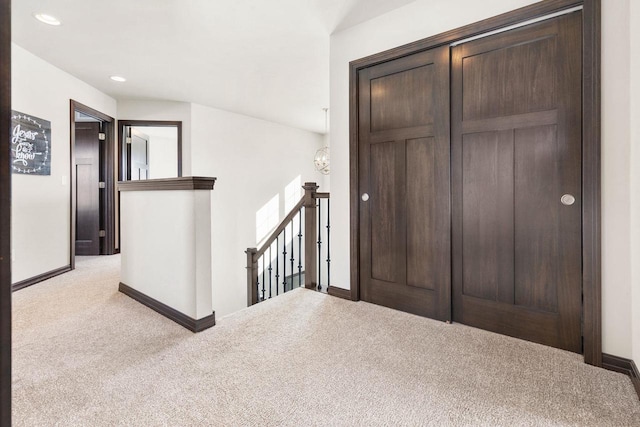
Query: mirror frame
[{"x": 142, "y": 123}]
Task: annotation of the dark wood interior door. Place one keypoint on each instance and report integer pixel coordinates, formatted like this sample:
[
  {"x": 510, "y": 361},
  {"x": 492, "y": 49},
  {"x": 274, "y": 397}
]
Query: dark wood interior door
[
  {"x": 516, "y": 169},
  {"x": 87, "y": 154},
  {"x": 404, "y": 184}
]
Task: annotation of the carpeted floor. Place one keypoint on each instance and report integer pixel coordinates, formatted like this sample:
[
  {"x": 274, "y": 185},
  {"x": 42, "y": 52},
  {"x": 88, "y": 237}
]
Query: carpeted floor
[{"x": 86, "y": 355}]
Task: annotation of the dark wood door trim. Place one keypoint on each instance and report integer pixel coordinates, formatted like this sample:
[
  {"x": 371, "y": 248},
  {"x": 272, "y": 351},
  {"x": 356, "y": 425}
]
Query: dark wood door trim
[
  {"x": 591, "y": 248},
  {"x": 5, "y": 213},
  {"x": 591, "y": 235},
  {"x": 523, "y": 14},
  {"x": 107, "y": 165}
]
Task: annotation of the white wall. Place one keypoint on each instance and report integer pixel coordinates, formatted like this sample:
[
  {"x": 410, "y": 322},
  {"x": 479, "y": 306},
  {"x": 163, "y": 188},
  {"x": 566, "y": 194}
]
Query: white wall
[
  {"x": 424, "y": 18},
  {"x": 163, "y": 153},
  {"x": 168, "y": 257},
  {"x": 326, "y": 179},
  {"x": 253, "y": 160},
  {"x": 40, "y": 223},
  {"x": 162, "y": 110},
  {"x": 634, "y": 48},
  {"x": 616, "y": 214},
  {"x": 163, "y": 157}
]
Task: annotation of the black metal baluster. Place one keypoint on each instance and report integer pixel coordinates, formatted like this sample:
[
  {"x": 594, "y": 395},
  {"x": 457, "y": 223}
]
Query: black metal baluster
[
  {"x": 300, "y": 248},
  {"x": 318, "y": 206},
  {"x": 263, "y": 290},
  {"x": 277, "y": 266},
  {"x": 328, "y": 242},
  {"x": 292, "y": 259},
  {"x": 258, "y": 287},
  {"x": 270, "y": 268},
  {"x": 284, "y": 259}
]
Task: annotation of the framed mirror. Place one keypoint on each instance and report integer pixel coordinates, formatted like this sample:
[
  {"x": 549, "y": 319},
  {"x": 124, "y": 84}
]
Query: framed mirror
[{"x": 149, "y": 149}]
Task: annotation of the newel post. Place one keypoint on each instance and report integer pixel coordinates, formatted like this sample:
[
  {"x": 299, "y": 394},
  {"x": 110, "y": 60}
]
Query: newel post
[
  {"x": 252, "y": 277},
  {"x": 310, "y": 235}
]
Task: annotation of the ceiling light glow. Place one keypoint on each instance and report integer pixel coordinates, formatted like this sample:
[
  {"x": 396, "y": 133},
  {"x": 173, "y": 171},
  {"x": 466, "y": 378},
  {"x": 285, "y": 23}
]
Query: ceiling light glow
[
  {"x": 47, "y": 19},
  {"x": 118, "y": 79}
]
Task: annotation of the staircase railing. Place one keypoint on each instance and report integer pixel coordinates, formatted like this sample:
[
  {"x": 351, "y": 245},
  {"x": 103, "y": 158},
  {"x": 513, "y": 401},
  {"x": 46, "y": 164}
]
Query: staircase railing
[{"x": 299, "y": 233}]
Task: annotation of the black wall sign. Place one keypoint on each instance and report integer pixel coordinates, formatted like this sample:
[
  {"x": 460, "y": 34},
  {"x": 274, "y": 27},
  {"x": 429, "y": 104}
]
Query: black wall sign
[{"x": 30, "y": 144}]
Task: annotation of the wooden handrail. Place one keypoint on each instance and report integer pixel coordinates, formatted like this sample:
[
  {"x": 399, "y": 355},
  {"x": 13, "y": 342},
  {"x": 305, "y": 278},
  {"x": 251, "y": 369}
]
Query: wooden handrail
[{"x": 287, "y": 219}]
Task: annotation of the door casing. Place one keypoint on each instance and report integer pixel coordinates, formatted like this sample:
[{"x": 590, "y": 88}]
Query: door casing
[
  {"x": 591, "y": 142},
  {"x": 107, "y": 164},
  {"x": 5, "y": 213}
]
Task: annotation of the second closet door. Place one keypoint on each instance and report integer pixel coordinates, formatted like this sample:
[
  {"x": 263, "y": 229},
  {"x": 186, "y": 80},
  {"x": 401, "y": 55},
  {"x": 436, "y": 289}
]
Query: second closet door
[{"x": 516, "y": 181}]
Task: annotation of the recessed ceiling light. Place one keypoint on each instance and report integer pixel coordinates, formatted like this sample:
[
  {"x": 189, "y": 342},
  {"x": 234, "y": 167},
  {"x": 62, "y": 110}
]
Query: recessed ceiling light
[
  {"x": 47, "y": 19},
  {"x": 118, "y": 79}
]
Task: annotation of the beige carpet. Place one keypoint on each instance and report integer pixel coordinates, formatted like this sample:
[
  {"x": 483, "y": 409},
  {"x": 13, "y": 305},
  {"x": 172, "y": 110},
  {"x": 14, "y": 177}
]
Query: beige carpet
[{"x": 86, "y": 355}]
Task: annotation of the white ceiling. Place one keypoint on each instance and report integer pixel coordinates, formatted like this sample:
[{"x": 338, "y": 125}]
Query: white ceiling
[{"x": 265, "y": 59}]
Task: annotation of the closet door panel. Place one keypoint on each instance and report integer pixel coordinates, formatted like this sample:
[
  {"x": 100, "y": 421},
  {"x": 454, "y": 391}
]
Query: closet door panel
[
  {"x": 516, "y": 189},
  {"x": 487, "y": 162},
  {"x": 403, "y": 173}
]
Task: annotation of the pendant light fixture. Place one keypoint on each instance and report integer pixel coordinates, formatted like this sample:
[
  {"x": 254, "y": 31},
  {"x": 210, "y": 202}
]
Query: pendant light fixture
[{"x": 322, "y": 158}]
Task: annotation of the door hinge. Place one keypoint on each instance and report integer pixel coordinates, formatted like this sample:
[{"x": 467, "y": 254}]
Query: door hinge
[
  {"x": 128, "y": 140},
  {"x": 102, "y": 185},
  {"x": 102, "y": 136},
  {"x": 102, "y": 233}
]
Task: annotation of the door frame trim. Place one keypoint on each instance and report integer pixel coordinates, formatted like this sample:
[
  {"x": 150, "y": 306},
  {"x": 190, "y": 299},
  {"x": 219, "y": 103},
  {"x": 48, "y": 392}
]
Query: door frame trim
[
  {"x": 5, "y": 213},
  {"x": 149, "y": 123},
  {"x": 107, "y": 209},
  {"x": 591, "y": 141}
]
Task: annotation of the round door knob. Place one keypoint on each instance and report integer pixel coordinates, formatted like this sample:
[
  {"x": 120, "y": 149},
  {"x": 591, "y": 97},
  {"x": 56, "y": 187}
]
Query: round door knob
[
  {"x": 567, "y": 199},
  {"x": 365, "y": 197}
]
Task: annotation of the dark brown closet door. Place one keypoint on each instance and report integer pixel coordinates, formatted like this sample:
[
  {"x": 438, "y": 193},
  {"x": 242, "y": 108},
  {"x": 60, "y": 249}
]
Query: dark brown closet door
[
  {"x": 516, "y": 151},
  {"x": 404, "y": 184}
]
